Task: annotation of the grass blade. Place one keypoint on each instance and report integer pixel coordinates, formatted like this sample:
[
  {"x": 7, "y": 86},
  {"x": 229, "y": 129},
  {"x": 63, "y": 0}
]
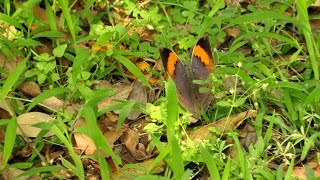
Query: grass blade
[
  {"x": 304, "y": 18},
  {"x": 9, "y": 141},
  {"x": 209, "y": 161},
  {"x": 262, "y": 15},
  {"x": 34, "y": 171},
  {"x": 132, "y": 68},
  {"x": 177, "y": 165},
  {"x": 66, "y": 13},
  {"x": 45, "y": 95}
]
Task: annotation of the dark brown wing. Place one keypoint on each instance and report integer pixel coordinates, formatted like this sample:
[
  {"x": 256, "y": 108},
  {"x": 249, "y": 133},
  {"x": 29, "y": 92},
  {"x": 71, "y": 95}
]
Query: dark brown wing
[
  {"x": 202, "y": 66},
  {"x": 177, "y": 71}
]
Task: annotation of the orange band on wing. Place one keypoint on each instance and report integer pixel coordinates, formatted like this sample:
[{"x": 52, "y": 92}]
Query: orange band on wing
[
  {"x": 171, "y": 64},
  {"x": 203, "y": 55}
]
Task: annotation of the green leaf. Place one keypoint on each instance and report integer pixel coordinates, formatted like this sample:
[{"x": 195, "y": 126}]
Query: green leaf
[
  {"x": 49, "y": 34},
  {"x": 210, "y": 163},
  {"x": 35, "y": 170},
  {"x": 263, "y": 15},
  {"x": 9, "y": 142},
  {"x": 177, "y": 164},
  {"x": 66, "y": 13},
  {"x": 308, "y": 145},
  {"x": 27, "y": 42},
  {"x": 59, "y": 50}
]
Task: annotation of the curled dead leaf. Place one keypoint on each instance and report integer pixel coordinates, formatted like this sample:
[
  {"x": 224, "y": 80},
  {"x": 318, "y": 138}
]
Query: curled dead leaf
[
  {"x": 27, "y": 120},
  {"x": 130, "y": 138},
  {"x": 223, "y": 125},
  {"x": 84, "y": 143}
]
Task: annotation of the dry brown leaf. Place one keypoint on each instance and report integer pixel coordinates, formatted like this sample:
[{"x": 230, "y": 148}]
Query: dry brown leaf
[
  {"x": 300, "y": 172},
  {"x": 84, "y": 143},
  {"x": 2, "y": 135},
  {"x": 114, "y": 135},
  {"x": 130, "y": 138},
  {"x": 53, "y": 102},
  {"x": 30, "y": 88},
  {"x": 7, "y": 64},
  {"x": 139, "y": 95},
  {"x": 316, "y": 4},
  {"x": 121, "y": 173},
  {"x": 12, "y": 173},
  {"x": 5, "y": 108},
  {"x": 27, "y": 120},
  {"x": 248, "y": 136},
  {"x": 223, "y": 125},
  {"x": 122, "y": 93},
  {"x": 232, "y": 31}
]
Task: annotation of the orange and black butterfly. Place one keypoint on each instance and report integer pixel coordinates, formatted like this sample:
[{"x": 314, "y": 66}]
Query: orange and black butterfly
[{"x": 201, "y": 66}]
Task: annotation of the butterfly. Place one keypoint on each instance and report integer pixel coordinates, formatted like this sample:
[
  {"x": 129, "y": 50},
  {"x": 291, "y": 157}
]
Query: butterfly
[{"x": 201, "y": 66}]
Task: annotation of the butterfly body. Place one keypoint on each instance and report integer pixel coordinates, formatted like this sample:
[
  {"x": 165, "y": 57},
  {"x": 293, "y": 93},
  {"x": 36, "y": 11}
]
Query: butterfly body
[{"x": 202, "y": 64}]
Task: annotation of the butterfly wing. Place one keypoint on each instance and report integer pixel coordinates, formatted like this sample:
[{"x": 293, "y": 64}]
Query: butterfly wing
[
  {"x": 202, "y": 66},
  {"x": 177, "y": 71}
]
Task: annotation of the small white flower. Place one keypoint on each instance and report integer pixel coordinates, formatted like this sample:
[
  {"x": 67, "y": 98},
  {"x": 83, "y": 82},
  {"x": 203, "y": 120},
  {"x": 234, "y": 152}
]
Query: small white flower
[{"x": 239, "y": 64}]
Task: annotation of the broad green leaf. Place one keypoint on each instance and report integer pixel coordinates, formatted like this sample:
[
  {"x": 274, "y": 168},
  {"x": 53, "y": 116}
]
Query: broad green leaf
[{"x": 59, "y": 50}]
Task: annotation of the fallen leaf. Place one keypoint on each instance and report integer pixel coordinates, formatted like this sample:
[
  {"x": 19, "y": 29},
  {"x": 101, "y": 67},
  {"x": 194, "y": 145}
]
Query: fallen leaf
[
  {"x": 2, "y": 135},
  {"x": 300, "y": 171},
  {"x": 247, "y": 136},
  {"x": 5, "y": 108},
  {"x": 121, "y": 173},
  {"x": 223, "y": 125},
  {"x": 12, "y": 173},
  {"x": 122, "y": 93},
  {"x": 7, "y": 64},
  {"x": 114, "y": 135},
  {"x": 232, "y": 31},
  {"x": 138, "y": 95},
  {"x": 83, "y": 142},
  {"x": 53, "y": 102},
  {"x": 30, "y": 88},
  {"x": 27, "y": 120},
  {"x": 130, "y": 138}
]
